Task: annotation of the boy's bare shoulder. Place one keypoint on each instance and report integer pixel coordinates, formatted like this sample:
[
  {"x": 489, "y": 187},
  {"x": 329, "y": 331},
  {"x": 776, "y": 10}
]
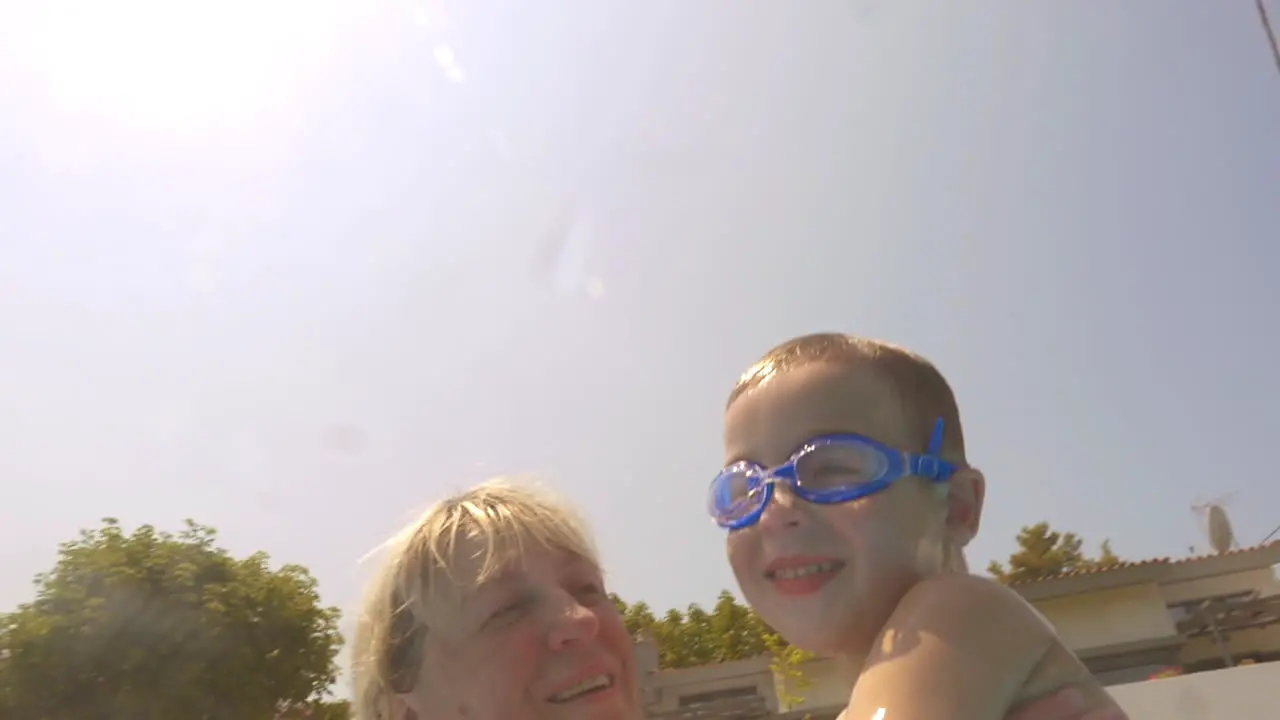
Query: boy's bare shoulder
[
  {"x": 989, "y": 621},
  {"x": 994, "y": 626},
  {"x": 958, "y": 599},
  {"x": 976, "y": 642}
]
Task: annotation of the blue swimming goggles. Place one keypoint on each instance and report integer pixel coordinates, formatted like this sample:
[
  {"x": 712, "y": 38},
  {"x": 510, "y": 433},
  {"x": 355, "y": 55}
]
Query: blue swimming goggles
[{"x": 827, "y": 470}]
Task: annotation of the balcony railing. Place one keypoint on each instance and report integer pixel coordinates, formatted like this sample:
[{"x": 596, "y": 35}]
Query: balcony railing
[{"x": 741, "y": 708}]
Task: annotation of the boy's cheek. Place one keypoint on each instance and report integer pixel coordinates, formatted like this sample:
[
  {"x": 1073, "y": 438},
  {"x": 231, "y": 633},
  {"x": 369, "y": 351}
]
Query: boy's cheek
[
  {"x": 742, "y": 550},
  {"x": 747, "y": 559}
]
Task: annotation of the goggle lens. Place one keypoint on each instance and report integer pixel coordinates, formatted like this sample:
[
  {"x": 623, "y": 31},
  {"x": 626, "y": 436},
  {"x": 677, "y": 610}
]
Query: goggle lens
[
  {"x": 819, "y": 468},
  {"x": 838, "y": 466},
  {"x": 736, "y": 492}
]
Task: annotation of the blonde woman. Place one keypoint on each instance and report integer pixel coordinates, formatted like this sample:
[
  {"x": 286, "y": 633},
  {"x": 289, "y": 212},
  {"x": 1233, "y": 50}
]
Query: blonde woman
[{"x": 492, "y": 606}]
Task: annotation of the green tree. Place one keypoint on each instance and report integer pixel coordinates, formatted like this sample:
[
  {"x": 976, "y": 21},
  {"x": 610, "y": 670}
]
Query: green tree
[
  {"x": 155, "y": 626},
  {"x": 317, "y": 710},
  {"x": 675, "y": 642},
  {"x": 738, "y": 631},
  {"x": 1106, "y": 558},
  {"x": 1043, "y": 553},
  {"x": 701, "y": 641},
  {"x": 637, "y": 618},
  {"x": 731, "y": 631},
  {"x": 787, "y": 663}
]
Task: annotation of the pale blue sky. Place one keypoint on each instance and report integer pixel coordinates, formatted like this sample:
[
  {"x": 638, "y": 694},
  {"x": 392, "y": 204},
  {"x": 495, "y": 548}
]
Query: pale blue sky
[{"x": 205, "y": 293}]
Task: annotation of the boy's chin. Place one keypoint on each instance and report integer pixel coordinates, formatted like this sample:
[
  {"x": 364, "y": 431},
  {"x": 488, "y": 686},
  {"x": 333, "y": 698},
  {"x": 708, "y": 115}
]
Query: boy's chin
[{"x": 833, "y": 627}]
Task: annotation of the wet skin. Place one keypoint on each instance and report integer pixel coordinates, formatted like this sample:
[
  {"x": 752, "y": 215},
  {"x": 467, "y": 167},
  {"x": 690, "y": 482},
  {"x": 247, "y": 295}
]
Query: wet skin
[{"x": 862, "y": 579}]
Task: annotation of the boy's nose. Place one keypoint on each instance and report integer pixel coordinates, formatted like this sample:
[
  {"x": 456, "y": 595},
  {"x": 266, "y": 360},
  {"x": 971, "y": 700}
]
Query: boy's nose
[{"x": 783, "y": 510}]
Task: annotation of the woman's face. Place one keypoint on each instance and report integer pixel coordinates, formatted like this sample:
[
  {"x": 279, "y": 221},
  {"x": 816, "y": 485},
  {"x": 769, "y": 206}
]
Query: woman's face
[{"x": 542, "y": 640}]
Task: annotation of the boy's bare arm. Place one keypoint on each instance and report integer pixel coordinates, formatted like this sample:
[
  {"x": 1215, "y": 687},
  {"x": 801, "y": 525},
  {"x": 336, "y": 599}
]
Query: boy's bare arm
[
  {"x": 1066, "y": 704},
  {"x": 958, "y": 647}
]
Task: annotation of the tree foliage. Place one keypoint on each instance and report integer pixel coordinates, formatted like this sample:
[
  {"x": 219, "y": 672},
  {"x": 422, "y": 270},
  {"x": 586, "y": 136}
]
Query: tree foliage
[
  {"x": 155, "y": 626},
  {"x": 1043, "y": 553},
  {"x": 317, "y": 710},
  {"x": 730, "y": 631}
]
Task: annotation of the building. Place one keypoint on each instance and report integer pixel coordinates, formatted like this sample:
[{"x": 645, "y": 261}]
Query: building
[
  {"x": 1209, "y": 624},
  {"x": 1139, "y": 619}
]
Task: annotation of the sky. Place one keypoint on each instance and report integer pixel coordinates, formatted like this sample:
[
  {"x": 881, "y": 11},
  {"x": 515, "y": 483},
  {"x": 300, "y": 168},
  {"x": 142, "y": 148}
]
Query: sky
[{"x": 299, "y": 270}]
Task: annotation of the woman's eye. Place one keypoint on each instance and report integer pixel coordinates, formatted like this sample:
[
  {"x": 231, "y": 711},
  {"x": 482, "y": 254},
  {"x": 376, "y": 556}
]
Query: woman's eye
[
  {"x": 509, "y": 612},
  {"x": 591, "y": 593}
]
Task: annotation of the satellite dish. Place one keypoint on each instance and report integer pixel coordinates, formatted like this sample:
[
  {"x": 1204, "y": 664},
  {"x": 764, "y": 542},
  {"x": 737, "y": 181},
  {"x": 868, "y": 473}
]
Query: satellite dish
[{"x": 1221, "y": 536}]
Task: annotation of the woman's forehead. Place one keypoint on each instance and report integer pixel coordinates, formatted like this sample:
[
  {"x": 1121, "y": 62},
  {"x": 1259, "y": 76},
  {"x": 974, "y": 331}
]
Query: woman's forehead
[
  {"x": 481, "y": 570},
  {"x": 535, "y": 562}
]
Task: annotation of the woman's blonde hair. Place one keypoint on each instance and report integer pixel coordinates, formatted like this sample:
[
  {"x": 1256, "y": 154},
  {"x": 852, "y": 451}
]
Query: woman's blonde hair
[{"x": 454, "y": 546}]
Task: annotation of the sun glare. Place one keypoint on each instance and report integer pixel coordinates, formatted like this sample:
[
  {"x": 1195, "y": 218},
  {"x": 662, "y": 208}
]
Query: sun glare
[{"x": 182, "y": 66}]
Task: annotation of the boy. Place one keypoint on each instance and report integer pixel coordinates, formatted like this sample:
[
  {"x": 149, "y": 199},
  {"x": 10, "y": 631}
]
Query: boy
[{"x": 848, "y": 502}]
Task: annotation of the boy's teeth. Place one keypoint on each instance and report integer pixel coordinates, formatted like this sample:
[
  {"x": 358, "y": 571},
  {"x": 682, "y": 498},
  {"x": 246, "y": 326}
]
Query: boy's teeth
[
  {"x": 599, "y": 682},
  {"x": 793, "y": 573}
]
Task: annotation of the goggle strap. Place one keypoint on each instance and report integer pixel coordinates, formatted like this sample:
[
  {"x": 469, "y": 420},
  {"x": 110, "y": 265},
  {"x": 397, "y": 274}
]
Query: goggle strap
[{"x": 935, "y": 440}]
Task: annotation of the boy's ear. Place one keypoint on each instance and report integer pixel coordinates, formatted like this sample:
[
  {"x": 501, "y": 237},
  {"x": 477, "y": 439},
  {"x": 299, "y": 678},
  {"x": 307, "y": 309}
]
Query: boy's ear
[{"x": 966, "y": 490}]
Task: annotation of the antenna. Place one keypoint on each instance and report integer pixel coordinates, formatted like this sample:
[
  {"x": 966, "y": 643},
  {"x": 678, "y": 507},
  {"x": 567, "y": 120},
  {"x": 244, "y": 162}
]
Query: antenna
[{"x": 1218, "y": 526}]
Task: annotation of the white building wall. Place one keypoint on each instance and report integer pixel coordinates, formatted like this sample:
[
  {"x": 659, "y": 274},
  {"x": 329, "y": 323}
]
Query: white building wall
[{"x": 1240, "y": 693}]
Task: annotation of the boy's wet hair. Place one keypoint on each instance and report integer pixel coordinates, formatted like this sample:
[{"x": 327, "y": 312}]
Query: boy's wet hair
[
  {"x": 434, "y": 563},
  {"x": 923, "y": 392}
]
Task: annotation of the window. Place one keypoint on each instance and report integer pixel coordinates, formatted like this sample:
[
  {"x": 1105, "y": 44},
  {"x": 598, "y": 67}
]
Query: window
[
  {"x": 717, "y": 695},
  {"x": 1226, "y": 613},
  {"x": 1121, "y": 676},
  {"x": 1185, "y": 611}
]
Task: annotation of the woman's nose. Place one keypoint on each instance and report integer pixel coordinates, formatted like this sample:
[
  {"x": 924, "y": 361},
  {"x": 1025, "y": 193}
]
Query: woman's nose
[{"x": 572, "y": 622}]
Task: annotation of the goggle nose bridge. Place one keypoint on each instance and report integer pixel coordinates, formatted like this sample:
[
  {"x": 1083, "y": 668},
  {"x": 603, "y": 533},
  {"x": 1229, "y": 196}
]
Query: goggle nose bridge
[
  {"x": 781, "y": 475},
  {"x": 784, "y": 475}
]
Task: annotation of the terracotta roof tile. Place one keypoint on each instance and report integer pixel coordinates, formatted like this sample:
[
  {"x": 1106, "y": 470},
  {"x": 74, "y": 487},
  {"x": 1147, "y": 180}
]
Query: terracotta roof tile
[
  {"x": 1233, "y": 551},
  {"x": 1096, "y": 570},
  {"x": 1149, "y": 561}
]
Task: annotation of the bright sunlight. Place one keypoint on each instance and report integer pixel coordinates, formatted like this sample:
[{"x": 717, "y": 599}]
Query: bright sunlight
[{"x": 180, "y": 66}]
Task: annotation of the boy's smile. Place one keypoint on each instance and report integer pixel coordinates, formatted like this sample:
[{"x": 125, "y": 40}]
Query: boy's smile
[
  {"x": 828, "y": 576},
  {"x": 799, "y": 575}
]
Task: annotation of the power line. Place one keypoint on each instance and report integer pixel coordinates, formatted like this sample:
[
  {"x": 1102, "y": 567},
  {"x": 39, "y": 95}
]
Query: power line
[
  {"x": 1275, "y": 49},
  {"x": 1270, "y": 535}
]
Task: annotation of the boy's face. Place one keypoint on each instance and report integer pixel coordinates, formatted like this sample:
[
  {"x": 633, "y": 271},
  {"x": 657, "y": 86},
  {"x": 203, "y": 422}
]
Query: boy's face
[{"x": 860, "y": 557}]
